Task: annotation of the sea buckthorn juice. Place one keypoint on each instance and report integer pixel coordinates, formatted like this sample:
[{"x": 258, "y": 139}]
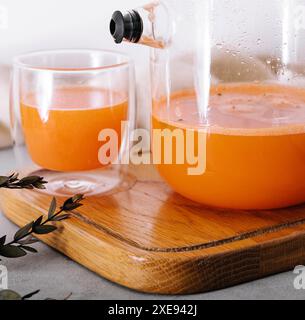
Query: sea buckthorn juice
[
  {"x": 70, "y": 114},
  {"x": 63, "y": 135},
  {"x": 245, "y": 77},
  {"x": 254, "y": 149}
]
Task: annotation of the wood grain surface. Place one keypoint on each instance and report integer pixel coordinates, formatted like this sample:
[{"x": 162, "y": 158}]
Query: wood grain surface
[{"x": 153, "y": 240}]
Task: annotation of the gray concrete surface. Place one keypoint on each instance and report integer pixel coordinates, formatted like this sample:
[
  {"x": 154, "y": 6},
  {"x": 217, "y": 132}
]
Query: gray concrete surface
[{"x": 57, "y": 276}]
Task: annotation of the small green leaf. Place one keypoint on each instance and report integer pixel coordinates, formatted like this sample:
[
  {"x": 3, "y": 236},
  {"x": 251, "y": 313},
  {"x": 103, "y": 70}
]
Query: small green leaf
[
  {"x": 14, "y": 177},
  {"x": 2, "y": 240},
  {"x": 72, "y": 206},
  {"x": 38, "y": 222},
  {"x": 52, "y": 208},
  {"x": 44, "y": 229},
  {"x": 29, "y": 180},
  {"x": 9, "y": 295},
  {"x": 29, "y": 240},
  {"x": 67, "y": 203},
  {"x": 29, "y": 249},
  {"x": 78, "y": 198},
  {"x": 4, "y": 180},
  {"x": 61, "y": 217},
  {"x": 39, "y": 185},
  {"x": 30, "y": 295},
  {"x": 73, "y": 203},
  {"x": 23, "y": 231},
  {"x": 10, "y": 251}
]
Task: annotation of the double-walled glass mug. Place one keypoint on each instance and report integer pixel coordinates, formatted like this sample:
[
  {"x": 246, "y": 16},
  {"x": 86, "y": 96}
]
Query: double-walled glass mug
[
  {"x": 230, "y": 73},
  {"x": 65, "y": 105}
]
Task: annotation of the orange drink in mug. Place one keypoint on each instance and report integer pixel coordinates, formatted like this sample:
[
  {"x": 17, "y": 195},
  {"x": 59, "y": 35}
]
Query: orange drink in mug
[{"x": 63, "y": 100}]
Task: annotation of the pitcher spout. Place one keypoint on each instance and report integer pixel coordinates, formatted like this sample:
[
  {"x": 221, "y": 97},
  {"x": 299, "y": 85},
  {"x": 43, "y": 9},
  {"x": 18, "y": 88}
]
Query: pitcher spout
[{"x": 148, "y": 25}]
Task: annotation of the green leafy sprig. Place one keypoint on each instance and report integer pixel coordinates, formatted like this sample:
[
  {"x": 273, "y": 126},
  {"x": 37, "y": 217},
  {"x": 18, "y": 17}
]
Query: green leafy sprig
[
  {"x": 20, "y": 246},
  {"x": 24, "y": 237},
  {"x": 13, "y": 182}
]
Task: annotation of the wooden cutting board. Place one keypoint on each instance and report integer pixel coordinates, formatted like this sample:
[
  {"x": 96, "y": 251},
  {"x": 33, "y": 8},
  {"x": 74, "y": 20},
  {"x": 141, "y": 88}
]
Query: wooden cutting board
[{"x": 153, "y": 240}]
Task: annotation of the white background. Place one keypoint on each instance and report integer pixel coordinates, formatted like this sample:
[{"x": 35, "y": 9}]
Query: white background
[{"x": 52, "y": 24}]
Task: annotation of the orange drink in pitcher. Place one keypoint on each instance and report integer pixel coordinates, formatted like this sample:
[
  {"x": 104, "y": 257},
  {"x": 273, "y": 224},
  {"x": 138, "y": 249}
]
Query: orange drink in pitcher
[
  {"x": 254, "y": 144},
  {"x": 234, "y": 77}
]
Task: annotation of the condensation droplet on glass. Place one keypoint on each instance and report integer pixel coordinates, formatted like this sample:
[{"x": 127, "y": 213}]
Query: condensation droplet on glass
[
  {"x": 178, "y": 112},
  {"x": 219, "y": 46}
]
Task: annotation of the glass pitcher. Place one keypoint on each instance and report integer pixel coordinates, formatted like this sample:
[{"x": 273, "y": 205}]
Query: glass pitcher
[{"x": 228, "y": 96}]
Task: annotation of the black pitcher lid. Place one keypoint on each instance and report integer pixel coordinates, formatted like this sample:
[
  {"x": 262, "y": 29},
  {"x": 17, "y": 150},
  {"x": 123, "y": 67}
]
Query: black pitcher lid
[{"x": 128, "y": 26}]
